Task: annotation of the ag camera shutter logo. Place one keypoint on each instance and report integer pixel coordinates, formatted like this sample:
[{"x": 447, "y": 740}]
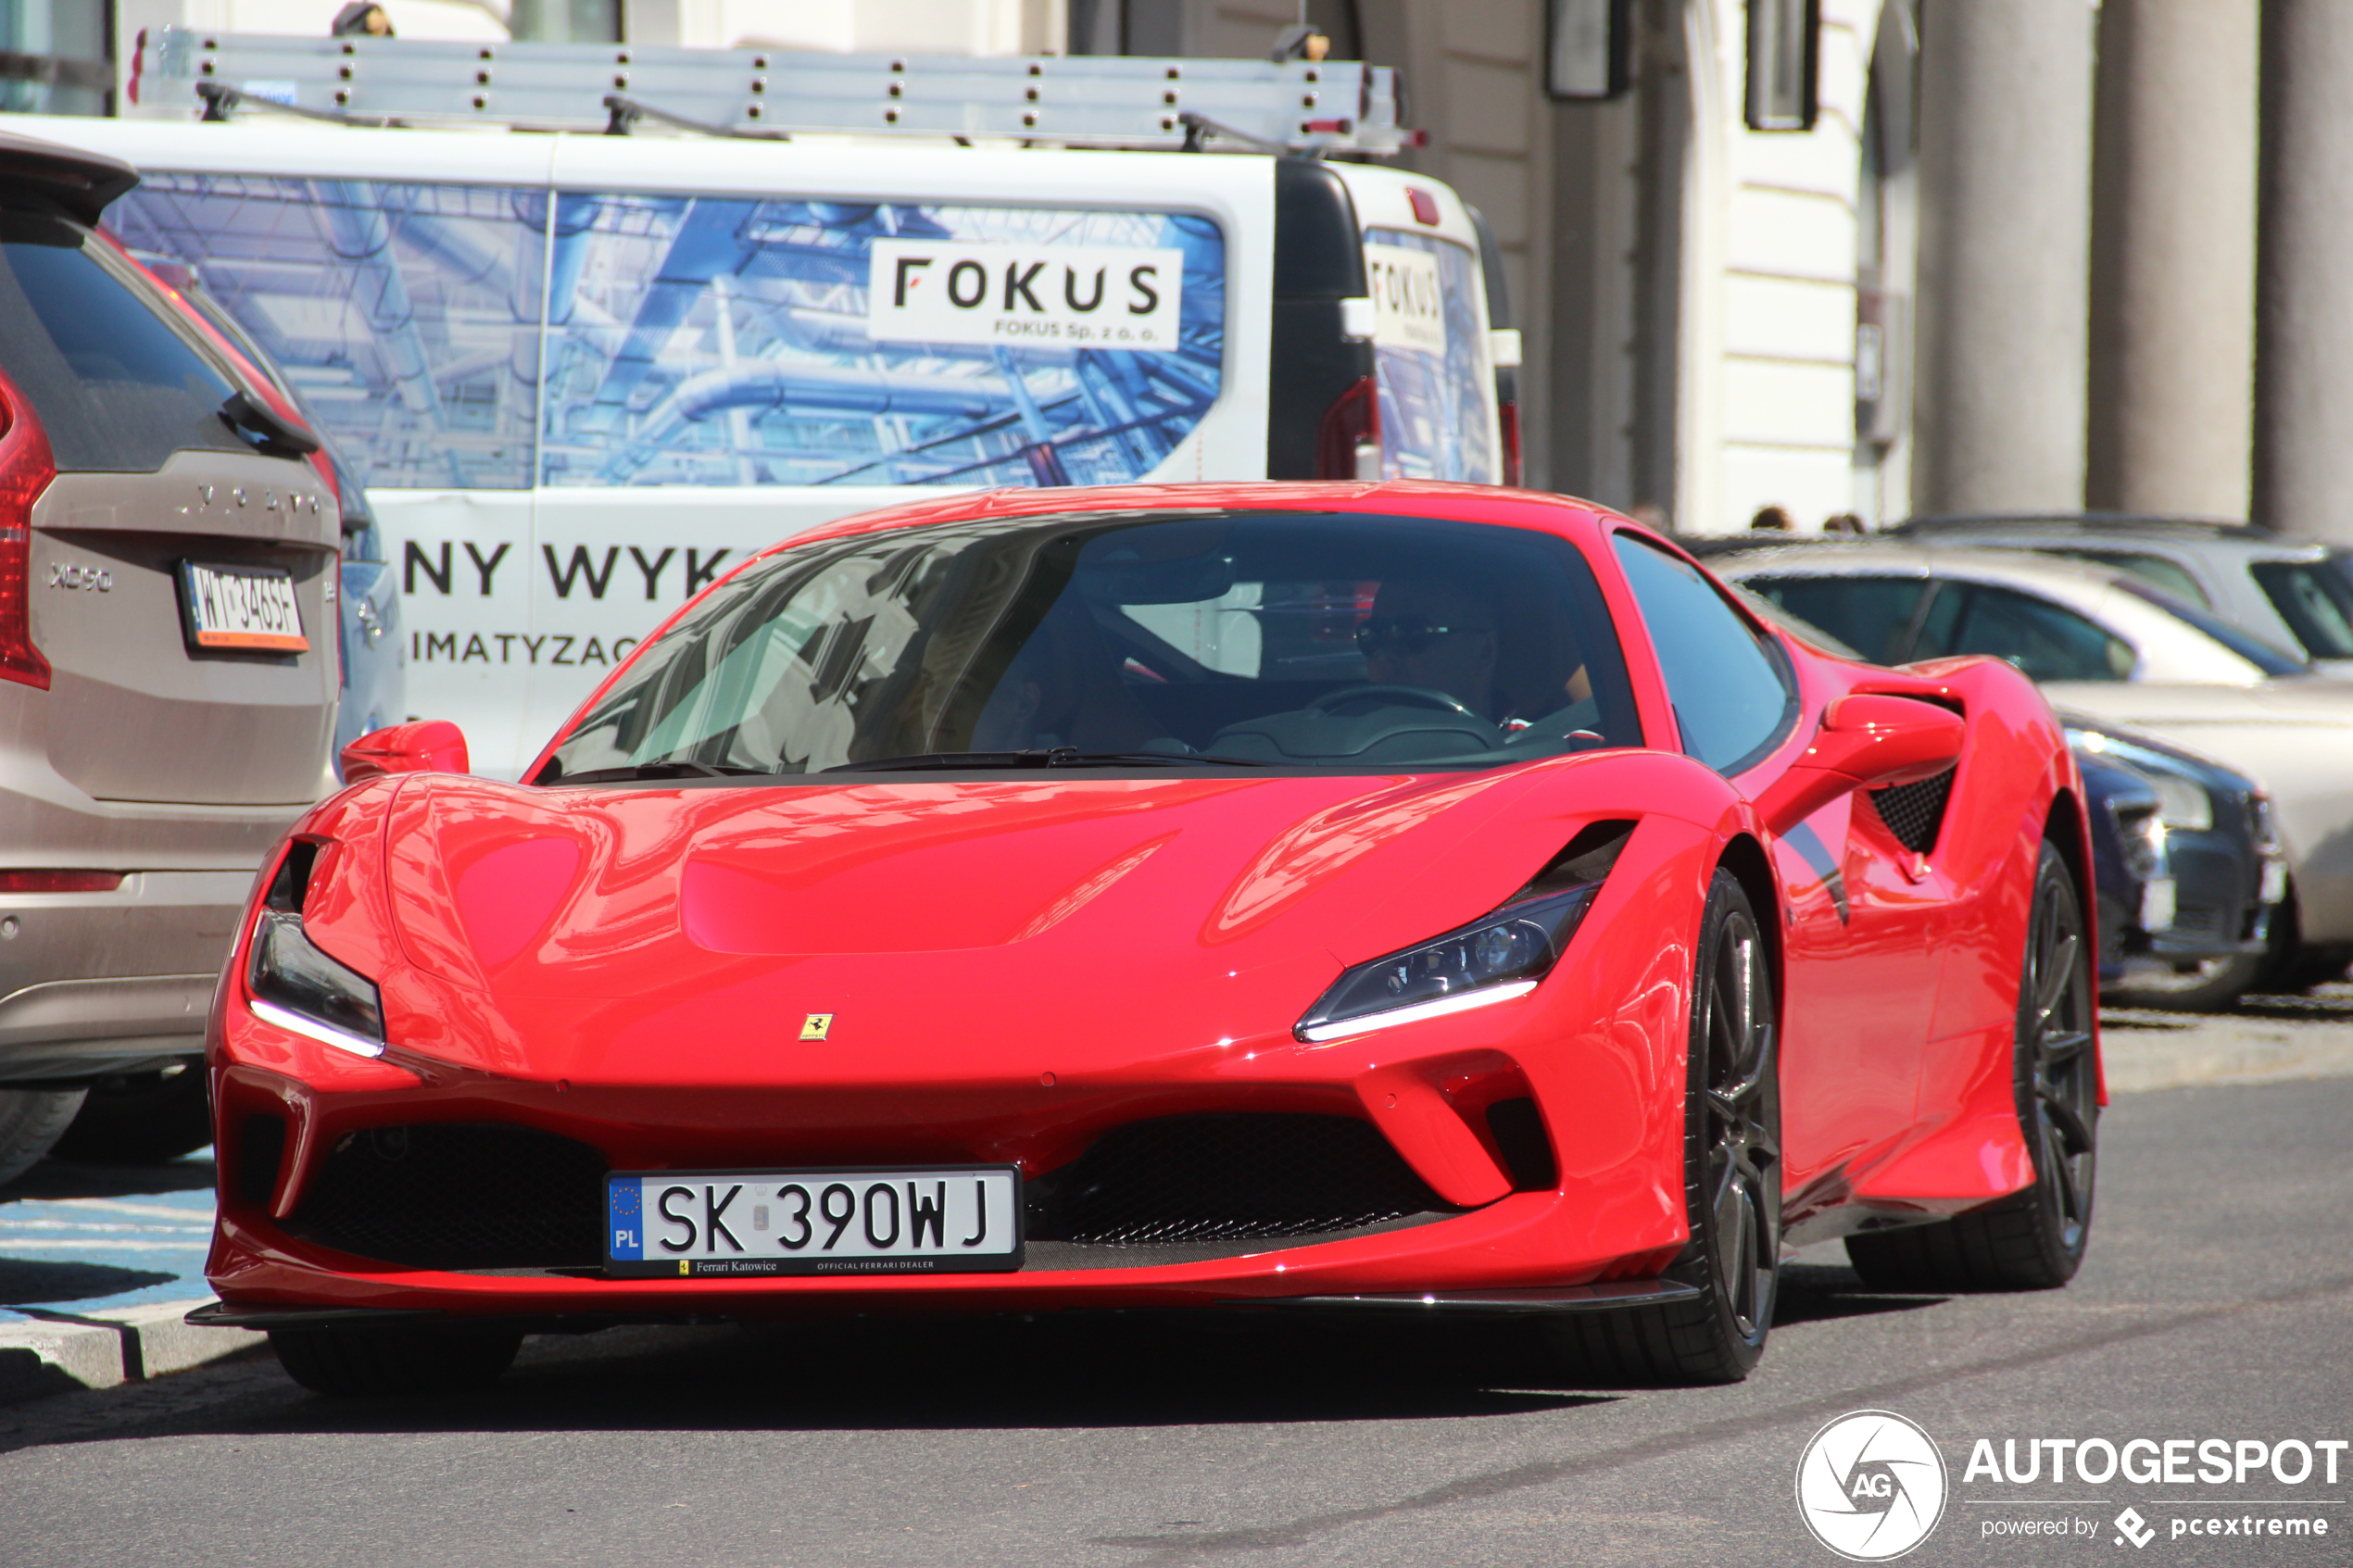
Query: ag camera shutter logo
[{"x": 1870, "y": 1486}]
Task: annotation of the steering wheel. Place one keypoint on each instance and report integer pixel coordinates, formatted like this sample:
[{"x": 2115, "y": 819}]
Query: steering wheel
[{"x": 1408, "y": 696}]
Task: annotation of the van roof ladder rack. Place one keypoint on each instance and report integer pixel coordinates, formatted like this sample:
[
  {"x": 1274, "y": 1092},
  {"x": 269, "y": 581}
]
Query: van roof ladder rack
[{"x": 1298, "y": 106}]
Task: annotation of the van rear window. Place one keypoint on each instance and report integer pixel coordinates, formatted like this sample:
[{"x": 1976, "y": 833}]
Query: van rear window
[
  {"x": 117, "y": 389},
  {"x": 1430, "y": 350}
]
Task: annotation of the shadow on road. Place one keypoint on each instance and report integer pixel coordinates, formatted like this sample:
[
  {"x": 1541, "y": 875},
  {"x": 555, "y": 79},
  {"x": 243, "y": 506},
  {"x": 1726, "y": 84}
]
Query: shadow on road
[
  {"x": 1123, "y": 1370},
  {"x": 30, "y": 1282},
  {"x": 1821, "y": 1293},
  {"x": 54, "y": 1179},
  {"x": 1051, "y": 1371}
]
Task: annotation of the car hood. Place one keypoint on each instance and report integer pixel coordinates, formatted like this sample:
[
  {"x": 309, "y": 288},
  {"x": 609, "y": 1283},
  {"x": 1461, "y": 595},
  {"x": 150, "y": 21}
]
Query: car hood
[{"x": 1049, "y": 883}]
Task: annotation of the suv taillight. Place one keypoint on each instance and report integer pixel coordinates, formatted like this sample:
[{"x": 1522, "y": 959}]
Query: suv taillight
[
  {"x": 1507, "y": 415},
  {"x": 1348, "y": 442},
  {"x": 26, "y": 468}
]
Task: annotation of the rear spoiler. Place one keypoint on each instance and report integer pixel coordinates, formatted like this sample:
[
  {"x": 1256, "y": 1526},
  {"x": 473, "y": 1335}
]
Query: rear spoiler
[{"x": 83, "y": 184}]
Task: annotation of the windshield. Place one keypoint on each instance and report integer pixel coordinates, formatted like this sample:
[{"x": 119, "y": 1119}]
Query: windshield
[
  {"x": 1306, "y": 639},
  {"x": 117, "y": 383}
]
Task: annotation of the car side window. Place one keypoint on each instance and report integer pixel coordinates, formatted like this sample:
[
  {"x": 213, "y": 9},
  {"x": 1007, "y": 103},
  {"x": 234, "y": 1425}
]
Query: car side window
[
  {"x": 2315, "y": 600},
  {"x": 2168, "y": 575},
  {"x": 1872, "y": 615},
  {"x": 2046, "y": 640},
  {"x": 1729, "y": 687}
]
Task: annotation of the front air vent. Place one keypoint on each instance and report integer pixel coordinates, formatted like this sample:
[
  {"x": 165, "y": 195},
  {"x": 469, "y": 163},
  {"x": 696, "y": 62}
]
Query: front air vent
[
  {"x": 1914, "y": 813},
  {"x": 261, "y": 1144},
  {"x": 1227, "y": 1177},
  {"x": 459, "y": 1196}
]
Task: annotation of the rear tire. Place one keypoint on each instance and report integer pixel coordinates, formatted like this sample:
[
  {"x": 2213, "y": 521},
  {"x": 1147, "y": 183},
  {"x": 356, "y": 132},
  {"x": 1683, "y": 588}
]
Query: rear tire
[
  {"x": 138, "y": 1118},
  {"x": 1732, "y": 1178},
  {"x": 32, "y": 1120},
  {"x": 2035, "y": 1239},
  {"x": 2214, "y": 986},
  {"x": 375, "y": 1362}
]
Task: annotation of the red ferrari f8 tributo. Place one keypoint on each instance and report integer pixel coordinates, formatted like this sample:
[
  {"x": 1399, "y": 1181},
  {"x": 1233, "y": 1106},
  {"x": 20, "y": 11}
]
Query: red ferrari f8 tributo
[{"x": 1403, "y": 896}]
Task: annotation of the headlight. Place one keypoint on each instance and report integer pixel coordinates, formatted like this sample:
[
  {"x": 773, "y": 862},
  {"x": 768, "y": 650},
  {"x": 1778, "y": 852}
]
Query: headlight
[
  {"x": 2140, "y": 835},
  {"x": 1493, "y": 959},
  {"x": 299, "y": 989},
  {"x": 2182, "y": 804},
  {"x": 2261, "y": 824}
]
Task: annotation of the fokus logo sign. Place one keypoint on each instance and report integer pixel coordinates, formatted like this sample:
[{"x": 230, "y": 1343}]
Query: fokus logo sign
[
  {"x": 1870, "y": 1486},
  {"x": 1037, "y": 296}
]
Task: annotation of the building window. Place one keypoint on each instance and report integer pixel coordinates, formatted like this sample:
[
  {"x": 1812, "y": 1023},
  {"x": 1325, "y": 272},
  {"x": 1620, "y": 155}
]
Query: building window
[{"x": 1783, "y": 64}]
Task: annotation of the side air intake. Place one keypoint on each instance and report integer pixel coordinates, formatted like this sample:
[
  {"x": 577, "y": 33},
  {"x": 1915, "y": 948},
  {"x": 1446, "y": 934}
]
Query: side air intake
[{"x": 1914, "y": 813}]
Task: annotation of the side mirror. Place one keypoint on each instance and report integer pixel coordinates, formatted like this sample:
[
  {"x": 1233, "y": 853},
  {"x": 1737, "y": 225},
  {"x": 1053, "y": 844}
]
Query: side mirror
[
  {"x": 1866, "y": 741},
  {"x": 431, "y": 746}
]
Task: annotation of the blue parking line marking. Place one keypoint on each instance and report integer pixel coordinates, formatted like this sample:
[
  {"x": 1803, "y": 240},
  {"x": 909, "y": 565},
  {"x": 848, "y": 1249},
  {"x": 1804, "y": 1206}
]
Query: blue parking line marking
[{"x": 83, "y": 1238}]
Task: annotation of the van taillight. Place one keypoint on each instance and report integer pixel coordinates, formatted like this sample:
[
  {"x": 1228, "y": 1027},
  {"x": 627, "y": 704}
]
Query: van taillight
[
  {"x": 1348, "y": 442},
  {"x": 1507, "y": 415},
  {"x": 26, "y": 470}
]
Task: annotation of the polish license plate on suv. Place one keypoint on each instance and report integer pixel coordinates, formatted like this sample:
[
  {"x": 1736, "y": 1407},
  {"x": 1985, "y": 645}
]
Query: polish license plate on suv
[
  {"x": 250, "y": 608},
  {"x": 733, "y": 1224}
]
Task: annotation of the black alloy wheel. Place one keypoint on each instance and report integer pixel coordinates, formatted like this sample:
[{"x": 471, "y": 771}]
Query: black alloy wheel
[
  {"x": 1732, "y": 1176},
  {"x": 1741, "y": 1100},
  {"x": 2036, "y": 1239}
]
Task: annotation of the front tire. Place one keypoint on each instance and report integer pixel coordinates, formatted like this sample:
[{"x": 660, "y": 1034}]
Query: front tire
[
  {"x": 2036, "y": 1239},
  {"x": 1732, "y": 1176},
  {"x": 365, "y": 1362}
]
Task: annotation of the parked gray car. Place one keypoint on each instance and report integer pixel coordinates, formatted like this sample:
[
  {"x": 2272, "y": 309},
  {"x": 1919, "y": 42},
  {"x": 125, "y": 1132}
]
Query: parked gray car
[
  {"x": 167, "y": 683},
  {"x": 2295, "y": 593},
  {"x": 2106, "y": 643}
]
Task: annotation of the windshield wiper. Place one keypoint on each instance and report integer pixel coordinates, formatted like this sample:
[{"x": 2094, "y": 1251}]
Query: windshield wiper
[
  {"x": 1056, "y": 756},
  {"x": 668, "y": 767}
]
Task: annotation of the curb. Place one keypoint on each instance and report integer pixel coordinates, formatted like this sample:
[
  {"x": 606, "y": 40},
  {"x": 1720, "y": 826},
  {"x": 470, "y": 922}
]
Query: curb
[{"x": 58, "y": 1353}]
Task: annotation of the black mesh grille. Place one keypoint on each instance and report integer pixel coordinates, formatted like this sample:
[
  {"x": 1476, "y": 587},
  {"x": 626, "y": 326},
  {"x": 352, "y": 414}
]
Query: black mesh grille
[
  {"x": 2203, "y": 921},
  {"x": 1913, "y": 812},
  {"x": 1194, "y": 1178},
  {"x": 458, "y": 1196}
]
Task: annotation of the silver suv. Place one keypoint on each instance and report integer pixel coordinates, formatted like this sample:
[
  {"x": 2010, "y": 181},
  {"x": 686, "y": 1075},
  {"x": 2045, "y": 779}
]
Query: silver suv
[
  {"x": 2295, "y": 592},
  {"x": 167, "y": 678}
]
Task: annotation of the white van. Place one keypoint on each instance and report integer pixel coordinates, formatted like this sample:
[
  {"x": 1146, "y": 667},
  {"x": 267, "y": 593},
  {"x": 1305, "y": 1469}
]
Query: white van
[{"x": 582, "y": 375}]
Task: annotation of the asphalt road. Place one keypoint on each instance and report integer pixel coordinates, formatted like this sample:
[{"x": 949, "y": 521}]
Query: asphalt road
[{"x": 2217, "y": 1302}]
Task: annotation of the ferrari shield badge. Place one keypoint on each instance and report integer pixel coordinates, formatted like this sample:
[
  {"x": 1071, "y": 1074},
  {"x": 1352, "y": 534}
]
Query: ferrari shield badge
[{"x": 816, "y": 1025}]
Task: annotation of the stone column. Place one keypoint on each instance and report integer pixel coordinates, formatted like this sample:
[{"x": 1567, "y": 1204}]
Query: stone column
[
  {"x": 2304, "y": 321},
  {"x": 2173, "y": 374},
  {"x": 2005, "y": 196}
]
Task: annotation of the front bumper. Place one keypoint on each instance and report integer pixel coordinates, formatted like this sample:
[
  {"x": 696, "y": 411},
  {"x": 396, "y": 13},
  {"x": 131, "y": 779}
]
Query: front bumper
[
  {"x": 289, "y": 1108},
  {"x": 1507, "y": 1302}
]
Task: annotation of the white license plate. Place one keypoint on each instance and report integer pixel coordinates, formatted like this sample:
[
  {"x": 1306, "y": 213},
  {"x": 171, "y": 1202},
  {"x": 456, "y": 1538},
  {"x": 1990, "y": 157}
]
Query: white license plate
[
  {"x": 720, "y": 1224},
  {"x": 248, "y": 607},
  {"x": 2274, "y": 886},
  {"x": 2157, "y": 904}
]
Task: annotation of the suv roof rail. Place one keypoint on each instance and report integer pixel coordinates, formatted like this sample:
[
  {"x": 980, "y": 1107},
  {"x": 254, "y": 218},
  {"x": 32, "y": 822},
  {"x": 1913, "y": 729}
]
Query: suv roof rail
[
  {"x": 1309, "y": 107},
  {"x": 2095, "y": 521}
]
